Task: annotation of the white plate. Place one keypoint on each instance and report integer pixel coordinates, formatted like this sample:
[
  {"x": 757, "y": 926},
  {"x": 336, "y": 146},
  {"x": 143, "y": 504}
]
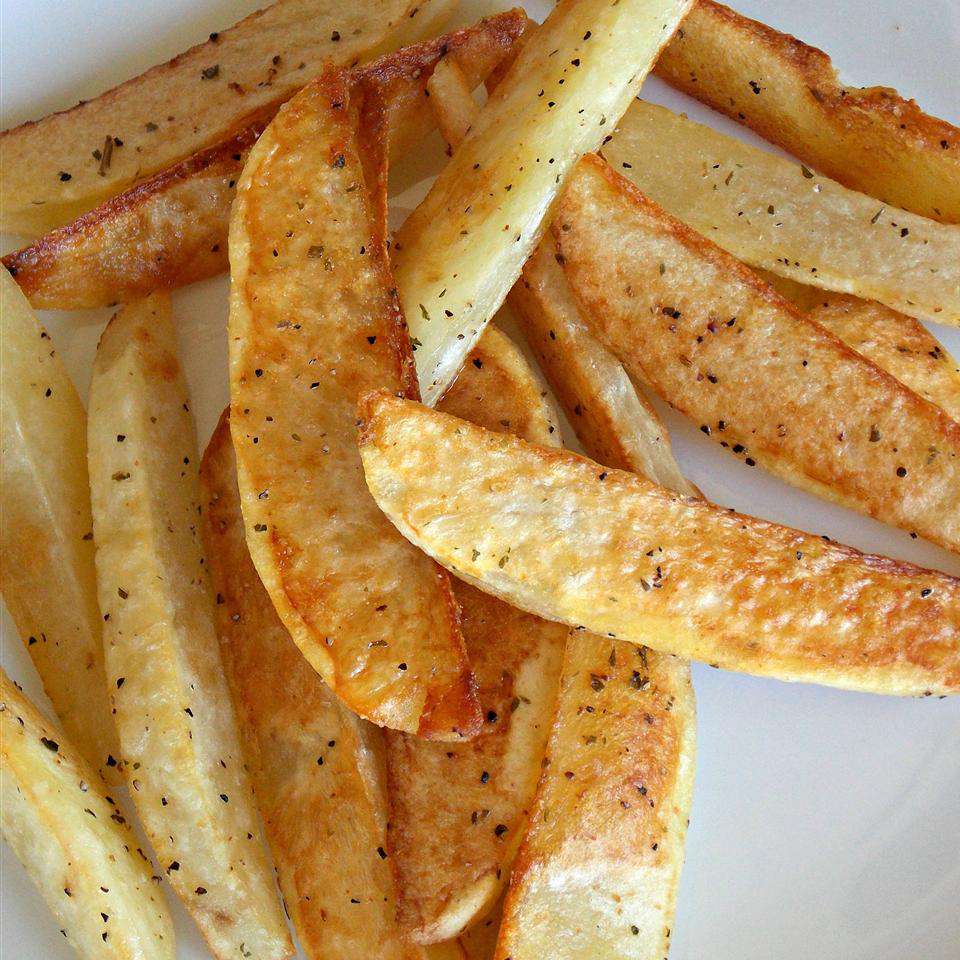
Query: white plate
[{"x": 825, "y": 824}]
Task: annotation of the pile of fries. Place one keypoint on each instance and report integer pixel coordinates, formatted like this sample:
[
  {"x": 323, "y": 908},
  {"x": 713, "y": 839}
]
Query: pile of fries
[{"x": 386, "y": 640}]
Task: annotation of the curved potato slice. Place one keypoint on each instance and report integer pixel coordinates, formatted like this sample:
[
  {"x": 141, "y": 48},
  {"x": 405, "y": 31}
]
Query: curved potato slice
[
  {"x": 598, "y": 870},
  {"x": 181, "y": 753},
  {"x": 61, "y": 166},
  {"x": 776, "y": 214},
  {"x": 565, "y": 538},
  {"x": 721, "y": 346},
  {"x": 461, "y": 250},
  {"x": 74, "y": 842},
  {"x": 171, "y": 230},
  {"x": 869, "y": 139},
  {"x": 47, "y": 570},
  {"x": 313, "y": 324},
  {"x": 473, "y": 798},
  {"x": 313, "y": 763},
  {"x": 899, "y": 344}
]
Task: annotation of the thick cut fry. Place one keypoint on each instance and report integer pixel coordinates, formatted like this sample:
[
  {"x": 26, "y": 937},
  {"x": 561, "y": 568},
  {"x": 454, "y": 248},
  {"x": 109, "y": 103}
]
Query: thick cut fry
[
  {"x": 597, "y": 873},
  {"x": 868, "y": 139},
  {"x": 473, "y": 798},
  {"x": 721, "y": 346},
  {"x": 74, "y": 842},
  {"x": 313, "y": 324},
  {"x": 64, "y": 165},
  {"x": 897, "y": 343},
  {"x": 615, "y": 424},
  {"x": 314, "y": 764},
  {"x": 560, "y": 536},
  {"x": 775, "y": 214},
  {"x": 460, "y": 251},
  {"x": 47, "y": 571},
  {"x": 180, "y": 749},
  {"x": 171, "y": 230}
]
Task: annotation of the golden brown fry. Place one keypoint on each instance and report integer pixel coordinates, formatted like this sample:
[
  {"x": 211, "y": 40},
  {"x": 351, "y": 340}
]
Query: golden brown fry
[
  {"x": 597, "y": 873},
  {"x": 897, "y": 343},
  {"x": 178, "y": 736},
  {"x": 869, "y": 139},
  {"x": 778, "y": 215},
  {"x": 461, "y": 250},
  {"x": 47, "y": 571},
  {"x": 565, "y": 538},
  {"x": 313, "y": 324},
  {"x": 74, "y": 841},
  {"x": 473, "y": 798},
  {"x": 721, "y": 346},
  {"x": 313, "y": 763},
  {"x": 171, "y": 230},
  {"x": 614, "y": 422},
  {"x": 64, "y": 165}
]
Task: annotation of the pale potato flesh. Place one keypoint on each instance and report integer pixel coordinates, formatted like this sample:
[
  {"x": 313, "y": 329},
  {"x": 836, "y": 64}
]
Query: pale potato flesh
[
  {"x": 777, "y": 214},
  {"x": 869, "y": 139},
  {"x": 180, "y": 750},
  {"x": 598, "y": 870},
  {"x": 461, "y": 250},
  {"x": 724, "y": 348},
  {"x": 314, "y": 764},
  {"x": 567, "y": 539},
  {"x": 74, "y": 841},
  {"x": 473, "y": 798},
  {"x": 62, "y": 166},
  {"x": 47, "y": 571},
  {"x": 314, "y": 324},
  {"x": 171, "y": 229}
]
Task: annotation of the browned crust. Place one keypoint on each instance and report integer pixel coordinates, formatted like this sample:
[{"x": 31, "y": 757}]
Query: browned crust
[{"x": 857, "y": 120}]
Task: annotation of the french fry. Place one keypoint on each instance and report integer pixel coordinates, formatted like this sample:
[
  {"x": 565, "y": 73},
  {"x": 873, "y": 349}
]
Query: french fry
[
  {"x": 313, "y": 324},
  {"x": 597, "y": 873},
  {"x": 313, "y": 763},
  {"x": 721, "y": 346},
  {"x": 562, "y": 537},
  {"x": 47, "y": 571},
  {"x": 74, "y": 841},
  {"x": 899, "y": 344},
  {"x": 461, "y": 250},
  {"x": 180, "y": 749},
  {"x": 60, "y": 167},
  {"x": 778, "y": 215},
  {"x": 614, "y": 422},
  {"x": 171, "y": 229},
  {"x": 616, "y": 425},
  {"x": 474, "y": 797},
  {"x": 869, "y": 139}
]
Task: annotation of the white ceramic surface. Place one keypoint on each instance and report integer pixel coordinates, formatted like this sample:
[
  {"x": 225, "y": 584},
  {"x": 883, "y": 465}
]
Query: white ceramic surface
[{"x": 826, "y": 824}]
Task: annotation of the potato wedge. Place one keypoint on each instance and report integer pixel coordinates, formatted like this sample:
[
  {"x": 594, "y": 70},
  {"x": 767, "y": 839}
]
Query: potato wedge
[
  {"x": 315, "y": 766},
  {"x": 474, "y": 797},
  {"x": 180, "y": 749},
  {"x": 897, "y": 343},
  {"x": 637, "y": 562},
  {"x": 64, "y": 165},
  {"x": 614, "y": 422},
  {"x": 74, "y": 841},
  {"x": 869, "y": 139},
  {"x": 171, "y": 229},
  {"x": 47, "y": 571},
  {"x": 313, "y": 324},
  {"x": 721, "y": 346},
  {"x": 597, "y": 873},
  {"x": 461, "y": 250},
  {"x": 776, "y": 214}
]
